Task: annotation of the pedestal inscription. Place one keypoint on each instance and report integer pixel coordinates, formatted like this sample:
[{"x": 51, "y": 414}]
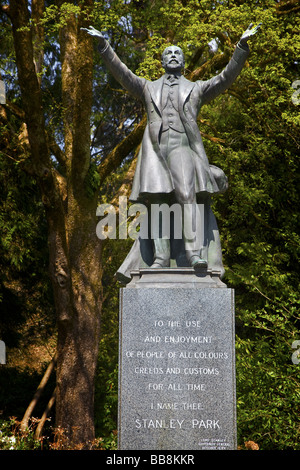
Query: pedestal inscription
[{"x": 177, "y": 369}]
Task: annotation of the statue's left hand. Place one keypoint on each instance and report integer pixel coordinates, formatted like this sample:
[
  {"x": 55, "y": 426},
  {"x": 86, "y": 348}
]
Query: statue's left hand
[
  {"x": 250, "y": 31},
  {"x": 92, "y": 31}
]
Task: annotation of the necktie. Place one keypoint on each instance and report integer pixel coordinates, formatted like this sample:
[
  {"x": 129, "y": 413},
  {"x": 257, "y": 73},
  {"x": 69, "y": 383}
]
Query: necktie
[{"x": 172, "y": 78}]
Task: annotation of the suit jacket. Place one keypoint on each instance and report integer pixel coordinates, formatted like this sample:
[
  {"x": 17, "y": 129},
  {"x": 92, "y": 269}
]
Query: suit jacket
[{"x": 152, "y": 175}]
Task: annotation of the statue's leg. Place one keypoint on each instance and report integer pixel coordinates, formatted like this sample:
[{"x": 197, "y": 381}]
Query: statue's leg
[
  {"x": 182, "y": 168},
  {"x": 212, "y": 243},
  {"x": 160, "y": 243},
  {"x": 161, "y": 250}
]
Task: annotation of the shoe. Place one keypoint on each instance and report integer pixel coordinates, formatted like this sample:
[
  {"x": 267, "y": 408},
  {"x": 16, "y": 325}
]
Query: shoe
[
  {"x": 198, "y": 263},
  {"x": 161, "y": 264}
]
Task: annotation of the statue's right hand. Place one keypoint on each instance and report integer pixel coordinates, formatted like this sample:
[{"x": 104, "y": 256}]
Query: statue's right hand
[{"x": 94, "y": 32}]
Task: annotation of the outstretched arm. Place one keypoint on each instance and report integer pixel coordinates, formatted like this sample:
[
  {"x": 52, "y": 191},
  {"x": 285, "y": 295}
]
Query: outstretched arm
[
  {"x": 218, "y": 84},
  {"x": 131, "y": 82}
]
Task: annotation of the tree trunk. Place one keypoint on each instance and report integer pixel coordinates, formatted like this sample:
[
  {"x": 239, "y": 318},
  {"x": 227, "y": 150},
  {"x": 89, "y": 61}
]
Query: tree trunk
[
  {"x": 75, "y": 250},
  {"x": 78, "y": 335}
]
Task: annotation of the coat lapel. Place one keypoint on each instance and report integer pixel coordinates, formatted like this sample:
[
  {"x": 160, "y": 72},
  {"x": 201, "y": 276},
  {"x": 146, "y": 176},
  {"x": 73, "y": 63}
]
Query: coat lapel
[
  {"x": 155, "y": 89},
  {"x": 185, "y": 89}
]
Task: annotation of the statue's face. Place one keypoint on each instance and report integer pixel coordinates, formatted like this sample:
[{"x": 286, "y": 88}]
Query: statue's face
[{"x": 172, "y": 59}]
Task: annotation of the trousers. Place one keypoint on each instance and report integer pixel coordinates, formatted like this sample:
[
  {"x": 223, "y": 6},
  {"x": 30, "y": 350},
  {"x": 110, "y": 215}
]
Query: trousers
[{"x": 175, "y": 149}]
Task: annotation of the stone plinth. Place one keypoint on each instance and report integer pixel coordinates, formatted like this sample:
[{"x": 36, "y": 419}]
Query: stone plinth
[{"x": 177, "y": 365}]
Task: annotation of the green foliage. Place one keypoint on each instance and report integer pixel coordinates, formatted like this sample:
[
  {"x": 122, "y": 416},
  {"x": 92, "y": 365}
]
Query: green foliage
[
  {"x": 92, "y": 180},
  {"x": 25, "y": 290},
  {"x": 267, "y": 380},
  {"x": 12, "y": 439},
  {"x": 106, "y": 392}
]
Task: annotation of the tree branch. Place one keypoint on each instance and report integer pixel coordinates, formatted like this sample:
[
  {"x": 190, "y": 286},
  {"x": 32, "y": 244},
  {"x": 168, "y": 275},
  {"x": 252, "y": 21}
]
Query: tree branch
[
  {"x": 30, "y": 89},
  {"x": 38, "y": 7},
  {"x": 217, "y": 62},
  {"x": 40, "y": 426},
  {"x": 53, "y": 146},
  {"x": 284, "y": 8},
  {"x": 37, "y": 395},
  {"x": 77, "y": 72},
  {"x": 56, "y": 150},
  {"x": 125, "y": 188},
  {"x": 117, "y": 155}
]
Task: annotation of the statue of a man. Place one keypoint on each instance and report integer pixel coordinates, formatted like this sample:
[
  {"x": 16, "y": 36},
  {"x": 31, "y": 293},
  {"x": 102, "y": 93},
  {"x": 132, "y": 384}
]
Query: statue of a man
[{"x": 172, "y": 164}]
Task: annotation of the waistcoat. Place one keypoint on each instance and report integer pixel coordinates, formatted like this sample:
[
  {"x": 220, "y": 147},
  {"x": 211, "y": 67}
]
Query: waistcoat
[{"x": 170, "y": 114}]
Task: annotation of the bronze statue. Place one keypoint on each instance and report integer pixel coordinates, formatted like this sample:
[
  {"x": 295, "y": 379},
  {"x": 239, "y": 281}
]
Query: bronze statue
[{"x": 172, "y": 164}]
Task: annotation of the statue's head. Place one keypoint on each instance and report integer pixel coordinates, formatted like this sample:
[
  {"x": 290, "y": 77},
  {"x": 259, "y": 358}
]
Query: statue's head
[{"x": 172, "y": 59}]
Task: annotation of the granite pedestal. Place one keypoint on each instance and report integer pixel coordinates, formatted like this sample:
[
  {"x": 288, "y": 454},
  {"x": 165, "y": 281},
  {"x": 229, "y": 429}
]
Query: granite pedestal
[{"x": 177, "y": 364}]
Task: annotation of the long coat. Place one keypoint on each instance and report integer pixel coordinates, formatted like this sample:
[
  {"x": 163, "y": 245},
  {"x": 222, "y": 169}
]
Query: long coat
[{"x": 152, "y": 175}]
